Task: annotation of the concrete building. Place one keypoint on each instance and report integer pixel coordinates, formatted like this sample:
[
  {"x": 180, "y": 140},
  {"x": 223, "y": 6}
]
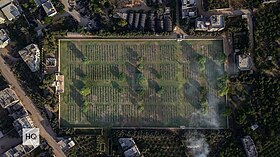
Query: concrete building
[
  {"x": 4, "y": 38},
  {"x": 24, "y": 122},
  {"x": 49, "y": 8},
  {"x": 213, "y": 24},
  {"x": 132, "y": 152},
  {"x": 188, "y": 9},
  {"x": 249, "y": 147},
  {"x": 17, "y": 110},
  {"x": 58, "y": 84},
  {"x": 8, "y": 97},
  {"x": 51, "y": 62},
  {"x": 217, "y": 23},
  {"x": 142, "y": 21},
  {"x": 2, "y": 18},
  {"x": 18, "y": 151},
  {"x": 244, "y": 62},
  {"x": 31, "y": 56},
  {"x": 47, "y": 5},
  {"x": 126, "y": 143},
  {"x": 9, "y": 9},
  {"x": 129, "y": 147},
  {"x": 66, "y": 144}
]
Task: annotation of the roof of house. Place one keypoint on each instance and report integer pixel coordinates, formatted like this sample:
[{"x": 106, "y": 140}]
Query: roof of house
[
  {"x": 24, "y": 122},
  {"x": 136, "y": 20},
  {"x": 11, "y": 11},
  {"x": 51, "y": 62},
  {"x": 4, "y": 3},
  {"x": 66, "y": 144},
  {"x": 49, "y": 8},
  {"x": 132, "y": 152},
  {"x": 31, "y": 56},
  {"x": 167, "y": 23},
  {"x": 8, "y": 97},
  {"x": 4, "y": 38},
  {"x": 217, "y": 21},
  {"x": 244, "y": 62},
  {"x": 17, "y": 110},
  {"x": 18, "y": 151},
  {"x": 40, "y": 2},
  {"x": 126, "y": 143},
  {"x": 142, "y": 21}
]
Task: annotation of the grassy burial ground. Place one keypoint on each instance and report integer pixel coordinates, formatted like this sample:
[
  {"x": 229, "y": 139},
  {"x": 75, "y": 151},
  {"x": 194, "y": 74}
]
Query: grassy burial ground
[{"x": 142, "y": 83}]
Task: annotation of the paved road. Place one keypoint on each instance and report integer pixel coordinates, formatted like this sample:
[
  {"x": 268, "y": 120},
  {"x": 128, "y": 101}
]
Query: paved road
[{"x": 45, "y": 129}]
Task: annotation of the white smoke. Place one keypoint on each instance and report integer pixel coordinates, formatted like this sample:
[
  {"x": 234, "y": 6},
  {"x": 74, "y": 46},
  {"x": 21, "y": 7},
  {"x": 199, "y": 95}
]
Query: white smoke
[{"x": 197, "y": 145}]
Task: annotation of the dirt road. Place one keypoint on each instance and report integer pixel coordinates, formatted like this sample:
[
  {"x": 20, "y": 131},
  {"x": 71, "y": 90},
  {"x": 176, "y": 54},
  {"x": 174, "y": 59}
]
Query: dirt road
[{"x": 45, "y": 129}]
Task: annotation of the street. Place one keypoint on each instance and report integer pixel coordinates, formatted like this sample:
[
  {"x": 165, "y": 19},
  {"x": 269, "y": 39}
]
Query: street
[{"x": 45, "y": 130}]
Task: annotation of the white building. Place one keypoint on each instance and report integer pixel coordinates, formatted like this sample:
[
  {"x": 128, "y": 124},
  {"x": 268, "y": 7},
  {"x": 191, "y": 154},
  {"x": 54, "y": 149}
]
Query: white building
[
  {"x": 244, "y": 62},
  {"x": 4, "y": 38},
  {"x": 213, "y": 24},
  {"x": 31, "y": 56},
  {"x": 9, "y": 9}
]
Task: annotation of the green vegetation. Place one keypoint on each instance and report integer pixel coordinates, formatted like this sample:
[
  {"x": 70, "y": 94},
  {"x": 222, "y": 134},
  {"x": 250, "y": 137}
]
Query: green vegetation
[
  {"x": 215, "y": 4},
  {"x": 141, "y": 82},
  {"x": 267, "y": 39}
]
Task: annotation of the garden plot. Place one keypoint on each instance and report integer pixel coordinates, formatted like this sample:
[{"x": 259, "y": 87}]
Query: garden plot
[{"x": 141, "y": 83}]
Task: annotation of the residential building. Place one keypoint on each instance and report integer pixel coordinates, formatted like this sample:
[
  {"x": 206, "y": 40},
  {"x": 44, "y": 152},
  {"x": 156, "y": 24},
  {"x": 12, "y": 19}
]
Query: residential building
[
  {"x": 51, "y": 62},
  {"x": 129, "y": 147},
  {"x": 8, "y": 97},
  {"x": 142, "y": 21},
  {"x": 212, "y": 24},
  {"x": 18, "y": 151},
  {"x": 167, "y": 23},
  {"x": 58, "y": 84},
  {"x": 31, "y": 56},
  {"x": 66, "y": 144},
  {"x": 2, "y": 18},
  {"x": 49, "y": 8},
  {"x": 249, "y": 147},
  {"x": 130, "y": 18},
  {"x": 244, "y": 62},
  {"x": 188, "y": 9},
  {"x": 126, "y": 143},
  {"x": 24, "y": 122},
  {"x": 217, "y": 23},
  {"x": 136, "y": 20},
  {"x": 4, "y": 38},
  {"x": 9, "y": 9},
  {"x": 151, "y": 22},
  {"x": 132, "y": 152},
  {"x": 17, "y": 110}
]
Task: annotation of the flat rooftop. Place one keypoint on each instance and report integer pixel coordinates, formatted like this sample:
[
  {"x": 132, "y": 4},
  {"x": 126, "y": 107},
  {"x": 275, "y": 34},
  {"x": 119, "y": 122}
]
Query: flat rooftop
[{"x": 8, "y": 97}]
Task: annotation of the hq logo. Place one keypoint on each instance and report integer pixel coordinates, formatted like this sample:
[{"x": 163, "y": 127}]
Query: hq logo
[{"x": 31, "y": 137}]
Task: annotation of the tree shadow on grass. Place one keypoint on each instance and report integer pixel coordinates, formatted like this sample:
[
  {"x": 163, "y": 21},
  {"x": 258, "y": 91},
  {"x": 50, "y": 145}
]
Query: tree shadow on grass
[
  {"x": 74, "y": 49},
  {"x": 76, "y": 96},
  {"x": 191, "y": 93}
]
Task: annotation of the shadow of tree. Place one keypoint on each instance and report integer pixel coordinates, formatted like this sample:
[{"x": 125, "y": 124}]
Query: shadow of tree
[
  {"x": 76, "y": 96},
  {"x": 74, "y": 49},
  {"x": 191, "y": 93}
]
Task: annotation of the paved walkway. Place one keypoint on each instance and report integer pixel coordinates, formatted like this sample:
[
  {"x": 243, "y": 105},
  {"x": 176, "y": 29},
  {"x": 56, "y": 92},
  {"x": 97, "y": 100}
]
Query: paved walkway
[{"x": 45, "y": 129}]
